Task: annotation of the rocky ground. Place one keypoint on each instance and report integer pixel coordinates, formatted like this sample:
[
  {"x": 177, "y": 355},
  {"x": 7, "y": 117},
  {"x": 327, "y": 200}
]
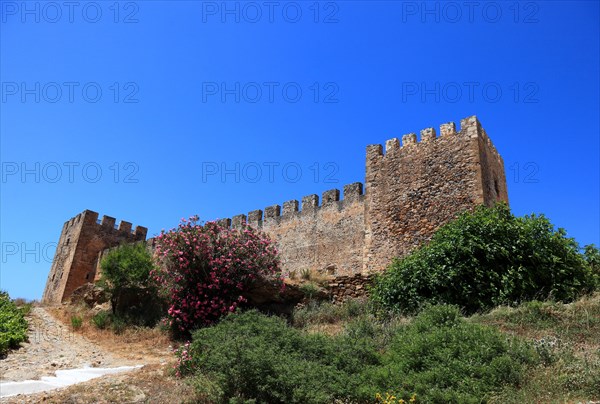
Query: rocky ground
[{"x": 53, "y": 345}]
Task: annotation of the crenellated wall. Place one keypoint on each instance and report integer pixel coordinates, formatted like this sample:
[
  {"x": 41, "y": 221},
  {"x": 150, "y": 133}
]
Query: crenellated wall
[
  {"x": 82, "y": 239},
  {"x": 326, "y": 237},
  {"x": 410, "y": 190}
]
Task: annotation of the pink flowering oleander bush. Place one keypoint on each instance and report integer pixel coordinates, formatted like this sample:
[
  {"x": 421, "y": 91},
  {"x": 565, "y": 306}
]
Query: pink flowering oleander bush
[{"x": 203, "y": 271}]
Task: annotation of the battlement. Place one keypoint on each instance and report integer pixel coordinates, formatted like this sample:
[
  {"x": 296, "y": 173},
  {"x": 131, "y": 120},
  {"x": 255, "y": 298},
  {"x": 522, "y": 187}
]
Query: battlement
[
  {"x": 275, "y": 214},
  {"x": 107, "y": 223},
  {"x": 470, "y": 128}
]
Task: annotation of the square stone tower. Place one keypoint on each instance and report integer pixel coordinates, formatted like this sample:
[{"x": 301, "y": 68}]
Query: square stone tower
[{"x": 82, "y": 239}]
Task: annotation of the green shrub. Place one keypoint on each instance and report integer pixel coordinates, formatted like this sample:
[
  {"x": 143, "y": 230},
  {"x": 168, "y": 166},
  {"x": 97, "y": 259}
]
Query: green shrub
[
  {"x": 13, "y": 326},
  {"x": 309, "y": 289},
  {"x": 26, "y": 308},
  {"x": 117, "y": 323},
  {"x": 445, "y": 359},
  {"x": 127, "y": 265},
  {"x": 76, "y": 322},
  {"x": 439, "y": 356},
  {"x": 253, "y": 356},
  {"x": 591, "y": 254},
  {"x": 134, "y": 296},
  {"x": 483, "y": 259},
  {"x": 101, "y": 320}
]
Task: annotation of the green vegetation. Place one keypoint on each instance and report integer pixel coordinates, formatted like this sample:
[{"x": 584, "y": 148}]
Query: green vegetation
[
  {"x": 253, "y": 356},
  {"x": 439, "y": 356},
  {"x": 591, "y": 254},
  {"x": 566, "y": 339},
  {"x": 126, "y": 275},
  {"x": 76, "y": 322},
  {"x": 13, "y": 326},
  {"x": 118, "y": 324},
  {"x": 127, "y": 265},
  {"x": 101, "y": 320},
  {"x": 317, "y": 312},
  {"x": 445, "y": 359},
  {"x": 488, "y": 258},
  {"x": 366, "y": 351}
]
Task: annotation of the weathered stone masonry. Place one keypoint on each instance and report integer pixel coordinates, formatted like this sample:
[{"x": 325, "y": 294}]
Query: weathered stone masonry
[
  {"x": 410, "y": 191},
  {"x": 81, "y": 242}
]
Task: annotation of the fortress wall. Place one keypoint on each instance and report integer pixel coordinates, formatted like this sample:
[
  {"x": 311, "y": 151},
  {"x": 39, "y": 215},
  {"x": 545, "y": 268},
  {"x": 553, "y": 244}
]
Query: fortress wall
[
  {"x": 326, "y": 238},
  {"x": 411, "y": 190}
]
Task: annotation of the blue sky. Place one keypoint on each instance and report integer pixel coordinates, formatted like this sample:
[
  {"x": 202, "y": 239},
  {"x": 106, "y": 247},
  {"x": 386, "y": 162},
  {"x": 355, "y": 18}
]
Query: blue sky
[{"x": 150, "y": 111}]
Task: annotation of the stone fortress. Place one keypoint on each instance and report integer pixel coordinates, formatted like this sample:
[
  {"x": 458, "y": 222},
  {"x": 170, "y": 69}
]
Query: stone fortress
[{"x": 410, "y": 190}]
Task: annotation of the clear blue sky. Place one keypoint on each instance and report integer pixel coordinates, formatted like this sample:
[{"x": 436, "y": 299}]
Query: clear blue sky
[{"x": 129, "y": 108}]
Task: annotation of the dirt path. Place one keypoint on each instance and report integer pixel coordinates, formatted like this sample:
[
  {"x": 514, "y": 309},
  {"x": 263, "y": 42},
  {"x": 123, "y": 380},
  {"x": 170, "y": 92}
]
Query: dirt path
[{"x": 53, "y": 346}]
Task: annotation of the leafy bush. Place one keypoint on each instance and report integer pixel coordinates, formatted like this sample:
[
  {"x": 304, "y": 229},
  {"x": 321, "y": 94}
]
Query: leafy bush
[
  {"x": 445, "y": 359},
  {"x": 134, "y": 296},
  {"x": 439, "y": 357},
  {"x": 309, "y": 289},
  {"x": 250, "y": 356},
  {"x": 487, "y": 258},
  {"x": 204, "y": 270},
  {"x": 127, "y": 265},
  {"x": 13, "y": 326},
  {"x": 591, "y": 254}
]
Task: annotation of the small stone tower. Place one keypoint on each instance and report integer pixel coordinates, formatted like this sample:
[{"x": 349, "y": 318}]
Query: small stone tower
[{"x": 81, "y": 242}]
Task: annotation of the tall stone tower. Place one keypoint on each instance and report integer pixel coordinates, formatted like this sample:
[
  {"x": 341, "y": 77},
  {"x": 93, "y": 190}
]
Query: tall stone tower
[
  {"x": 81, "y": 242},
  {"x": 413, "y": 189}
]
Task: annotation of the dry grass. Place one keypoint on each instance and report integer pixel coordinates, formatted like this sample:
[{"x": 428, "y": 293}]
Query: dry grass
[
  {"x": 576, "y": 323},
  {"x": 150, "y": 344},
  {"x": 326, "y": 329}
]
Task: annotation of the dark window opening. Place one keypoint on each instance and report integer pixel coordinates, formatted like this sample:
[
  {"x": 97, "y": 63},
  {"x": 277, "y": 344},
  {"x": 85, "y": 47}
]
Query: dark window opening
[
  {"x": 68, "y": 241},
  {"x": 496, "y": 187}
]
